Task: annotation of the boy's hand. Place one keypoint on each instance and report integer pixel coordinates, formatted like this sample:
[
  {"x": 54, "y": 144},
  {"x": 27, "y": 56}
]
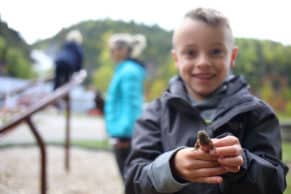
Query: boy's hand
[
  {"x": 228, "y": 150},
  {"x": 198, "y": 166}
]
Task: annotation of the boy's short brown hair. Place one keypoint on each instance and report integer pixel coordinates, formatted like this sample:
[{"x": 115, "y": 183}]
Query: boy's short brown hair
[{"x": 209, "y": 16}]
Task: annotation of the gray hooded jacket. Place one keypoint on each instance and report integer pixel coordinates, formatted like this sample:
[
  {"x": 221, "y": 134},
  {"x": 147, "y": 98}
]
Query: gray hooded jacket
[{"x": 171, "y": 123}]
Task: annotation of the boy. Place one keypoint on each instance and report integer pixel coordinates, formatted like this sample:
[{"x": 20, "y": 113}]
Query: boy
[{"x": 245, "y": 132}]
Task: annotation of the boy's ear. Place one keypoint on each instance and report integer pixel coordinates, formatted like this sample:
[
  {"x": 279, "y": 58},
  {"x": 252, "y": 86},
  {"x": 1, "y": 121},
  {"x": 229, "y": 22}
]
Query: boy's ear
[
  {"x": 234, "y": 54},
  {"x": 175, "y": 57}
]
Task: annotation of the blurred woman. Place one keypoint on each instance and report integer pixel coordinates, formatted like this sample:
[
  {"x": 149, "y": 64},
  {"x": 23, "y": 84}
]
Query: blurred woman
[{"x": 125, "y": 93}]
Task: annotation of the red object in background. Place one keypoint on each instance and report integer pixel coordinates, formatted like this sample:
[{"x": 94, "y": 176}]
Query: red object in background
[{"x": 95, "y": 112}]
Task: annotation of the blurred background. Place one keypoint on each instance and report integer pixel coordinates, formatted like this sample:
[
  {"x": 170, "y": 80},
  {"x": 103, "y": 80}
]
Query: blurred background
[{"x": 32, "y": 31}]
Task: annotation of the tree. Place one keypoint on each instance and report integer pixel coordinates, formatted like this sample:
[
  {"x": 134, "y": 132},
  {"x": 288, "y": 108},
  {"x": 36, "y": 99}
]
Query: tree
[
  {"x": 16, "y": 65},
  {"x": 104, "y": 72}
]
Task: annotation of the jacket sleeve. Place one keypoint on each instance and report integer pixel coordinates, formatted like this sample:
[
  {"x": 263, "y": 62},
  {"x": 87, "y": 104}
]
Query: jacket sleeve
[
  {"x": 262, "y": 171},
  {"x": 148, "y": 168}
]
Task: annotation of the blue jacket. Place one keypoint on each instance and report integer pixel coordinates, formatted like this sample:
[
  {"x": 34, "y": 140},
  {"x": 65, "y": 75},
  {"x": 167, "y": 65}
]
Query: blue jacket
[{"x": 124, "y": 98}]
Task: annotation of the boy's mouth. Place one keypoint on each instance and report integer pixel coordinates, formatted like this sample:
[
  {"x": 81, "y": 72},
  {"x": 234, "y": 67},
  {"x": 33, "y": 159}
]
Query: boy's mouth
[{"x": 203, "y": 76}]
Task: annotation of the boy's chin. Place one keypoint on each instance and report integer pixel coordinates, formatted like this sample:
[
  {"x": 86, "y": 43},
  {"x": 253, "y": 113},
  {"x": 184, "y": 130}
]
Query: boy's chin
[{"x": 199, "y": 95}]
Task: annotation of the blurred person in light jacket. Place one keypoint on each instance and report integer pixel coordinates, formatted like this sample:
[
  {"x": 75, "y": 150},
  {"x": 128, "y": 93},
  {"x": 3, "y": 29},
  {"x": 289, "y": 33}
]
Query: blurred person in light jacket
[{"x": 125, "y": 94}]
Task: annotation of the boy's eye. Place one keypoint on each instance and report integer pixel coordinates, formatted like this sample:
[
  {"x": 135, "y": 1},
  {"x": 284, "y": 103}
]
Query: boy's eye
[
  {"x": 216, "y": 51},
  {"x": 190, "y": 53}
]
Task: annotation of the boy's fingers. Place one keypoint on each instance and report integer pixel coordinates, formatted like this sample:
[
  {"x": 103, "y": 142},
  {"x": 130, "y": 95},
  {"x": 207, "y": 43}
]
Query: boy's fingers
[
  {"x": 197, "y": 164},
  {"x": 209, "y": 180},
  {"x": 207, "y": 172},
  {"x": 234, "y": 150},
  {"x": 231, "y": 161},
  {"x": 226, "y": 141},
  {"x": 232, "y": 169},
  {"x": 214, "y": 140},
  {"x": 201, "y": 155}
]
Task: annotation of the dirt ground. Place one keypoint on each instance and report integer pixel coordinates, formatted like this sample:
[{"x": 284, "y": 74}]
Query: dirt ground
[{"x": 92, "y": 172}]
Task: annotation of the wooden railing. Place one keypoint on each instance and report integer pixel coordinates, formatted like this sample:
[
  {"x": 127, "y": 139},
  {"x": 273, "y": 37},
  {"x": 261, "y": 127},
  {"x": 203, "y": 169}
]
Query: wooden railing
[{"x": 25, "y": 117}]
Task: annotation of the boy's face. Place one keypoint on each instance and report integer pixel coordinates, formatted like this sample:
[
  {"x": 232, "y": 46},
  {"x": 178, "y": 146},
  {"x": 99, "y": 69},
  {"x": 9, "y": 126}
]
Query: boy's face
[{"x": 204, "y": 56}]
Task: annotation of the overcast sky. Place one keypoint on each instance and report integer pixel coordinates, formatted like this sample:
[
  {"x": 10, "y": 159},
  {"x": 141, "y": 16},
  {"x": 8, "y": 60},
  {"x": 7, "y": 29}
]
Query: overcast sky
[{"x": 36, "y": 19}]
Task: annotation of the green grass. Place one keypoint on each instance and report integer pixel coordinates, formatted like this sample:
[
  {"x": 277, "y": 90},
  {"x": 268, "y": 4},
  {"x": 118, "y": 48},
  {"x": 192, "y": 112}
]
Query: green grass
[
  {"x": 92, "y": 144},
  {"x": 284, "y": 117},
  {"x": 87, "y": 144},
  {"x": 286, "y": 152},
  {"x": 287, "y": 156},
  {"x": 287, "y": 159},
  {"x": 288, "y": 189}
]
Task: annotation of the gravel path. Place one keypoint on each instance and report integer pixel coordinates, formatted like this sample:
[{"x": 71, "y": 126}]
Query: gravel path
[{"x": 92, "y": 172}]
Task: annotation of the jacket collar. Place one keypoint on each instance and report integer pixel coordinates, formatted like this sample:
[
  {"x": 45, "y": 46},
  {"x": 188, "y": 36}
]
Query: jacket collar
[
  {"x": 236, "y": 93},
  {"x": 124, "y": 62}
]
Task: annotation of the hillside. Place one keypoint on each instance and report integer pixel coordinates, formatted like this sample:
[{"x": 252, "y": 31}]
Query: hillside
[
  {"x": 14, "y": 53},
  {"x": 95, "y": 40}
]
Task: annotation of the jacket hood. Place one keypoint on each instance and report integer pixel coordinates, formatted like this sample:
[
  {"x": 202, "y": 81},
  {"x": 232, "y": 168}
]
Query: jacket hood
[{"x": 236, "y": 92}]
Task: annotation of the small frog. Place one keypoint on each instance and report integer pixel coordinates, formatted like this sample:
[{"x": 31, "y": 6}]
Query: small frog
[{"x": 203, "y": 141}]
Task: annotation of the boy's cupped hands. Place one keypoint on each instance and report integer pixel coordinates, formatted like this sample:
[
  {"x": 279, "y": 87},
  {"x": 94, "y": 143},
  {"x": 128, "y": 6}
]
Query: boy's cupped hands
[{"x": 196, "y": 165}]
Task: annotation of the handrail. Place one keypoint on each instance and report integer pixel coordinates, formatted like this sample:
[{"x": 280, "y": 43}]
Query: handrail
[{"x": 62, "y": 92}]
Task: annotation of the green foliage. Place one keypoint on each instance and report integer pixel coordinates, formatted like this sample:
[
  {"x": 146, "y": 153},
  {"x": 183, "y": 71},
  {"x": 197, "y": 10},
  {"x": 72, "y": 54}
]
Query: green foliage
[
  {"x": 14, "y": 53},
  {"x": 288, "y": 108},
  {"x": 154, "y": 88},
  {"x": 267, "y": 66},
  {"x": 16, "y": 65},
  {"x": 2, "y": 48},
  {"x": 164, "y": 74},
  {"x": 103, "y": 74},
  {"x": 266, "y": 90}
]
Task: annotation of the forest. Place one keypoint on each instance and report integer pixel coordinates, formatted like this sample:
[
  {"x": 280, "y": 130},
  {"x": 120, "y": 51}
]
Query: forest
[
  {"x": 14, "y": 53},
  {"x": 265, "y": 64}
]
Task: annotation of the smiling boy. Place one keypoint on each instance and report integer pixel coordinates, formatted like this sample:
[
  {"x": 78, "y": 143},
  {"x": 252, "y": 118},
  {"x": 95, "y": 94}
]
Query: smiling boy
[
  {"x": 206, "y": 96},
  {"x": 204, "y": 53}
]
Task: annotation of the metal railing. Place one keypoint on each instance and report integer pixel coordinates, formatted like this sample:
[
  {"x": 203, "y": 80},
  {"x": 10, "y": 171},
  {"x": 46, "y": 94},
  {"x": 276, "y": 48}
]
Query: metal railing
[{"x": 25, "y": 117}]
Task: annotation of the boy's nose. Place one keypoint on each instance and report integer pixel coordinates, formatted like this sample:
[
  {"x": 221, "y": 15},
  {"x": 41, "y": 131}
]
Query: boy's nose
[{"x": 203, "y": 61}]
